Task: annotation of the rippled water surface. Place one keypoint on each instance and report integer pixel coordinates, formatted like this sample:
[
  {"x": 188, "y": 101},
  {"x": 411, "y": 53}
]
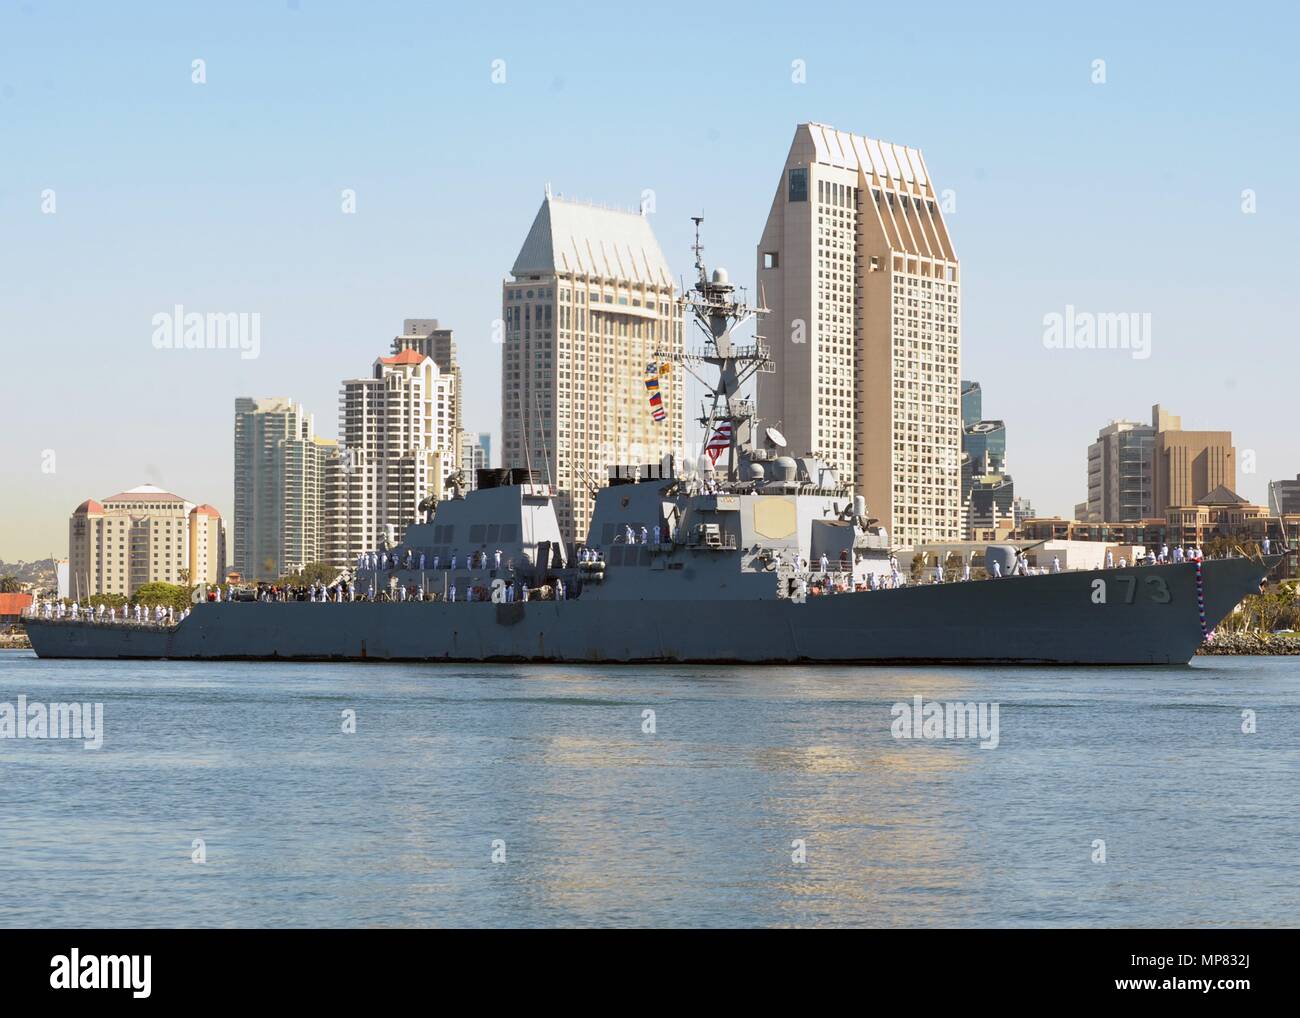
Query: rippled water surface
[{"x": 603, "y": 823}]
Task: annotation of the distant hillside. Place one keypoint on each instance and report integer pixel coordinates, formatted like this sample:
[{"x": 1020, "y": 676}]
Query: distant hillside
[{"x": 39, "y": 573}]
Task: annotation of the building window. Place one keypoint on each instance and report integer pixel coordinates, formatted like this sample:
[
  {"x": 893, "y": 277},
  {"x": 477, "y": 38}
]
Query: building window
[
  {"x": 771, "y": 259},
  {"x": 799, "y": 184}
]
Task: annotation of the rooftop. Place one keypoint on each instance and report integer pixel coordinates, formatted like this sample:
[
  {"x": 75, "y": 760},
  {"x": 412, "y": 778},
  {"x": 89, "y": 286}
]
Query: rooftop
[
  {"x": 570, "y": 236},
  {"x": 144, "y": 493},
  {"x": 850, "y": 151}
]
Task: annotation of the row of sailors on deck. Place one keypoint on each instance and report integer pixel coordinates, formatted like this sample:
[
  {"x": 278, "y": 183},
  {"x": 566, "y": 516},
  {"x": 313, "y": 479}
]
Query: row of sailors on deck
[
  {"x": 1192, "y": 553},
  {"x": 100, "y": 613},
  {"x": 372, "y": 561}
]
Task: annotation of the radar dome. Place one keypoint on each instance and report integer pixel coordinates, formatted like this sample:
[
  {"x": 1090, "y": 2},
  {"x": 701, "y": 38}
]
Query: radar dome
[{"x": 720, "y": 276}]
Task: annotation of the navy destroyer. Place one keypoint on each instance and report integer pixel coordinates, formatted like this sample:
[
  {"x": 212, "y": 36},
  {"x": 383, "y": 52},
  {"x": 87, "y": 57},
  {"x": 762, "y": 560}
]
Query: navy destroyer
[{"x": 768, "y": 560}]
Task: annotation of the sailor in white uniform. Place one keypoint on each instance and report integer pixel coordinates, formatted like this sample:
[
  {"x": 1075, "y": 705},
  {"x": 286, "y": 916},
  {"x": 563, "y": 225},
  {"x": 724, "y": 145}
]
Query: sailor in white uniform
[{"x": 1056, "y": 563}]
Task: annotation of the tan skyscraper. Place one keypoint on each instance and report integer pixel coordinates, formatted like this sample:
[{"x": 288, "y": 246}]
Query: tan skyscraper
[
  {"x": 588, "y": 308},
  {"x": 859, "y": 273}
]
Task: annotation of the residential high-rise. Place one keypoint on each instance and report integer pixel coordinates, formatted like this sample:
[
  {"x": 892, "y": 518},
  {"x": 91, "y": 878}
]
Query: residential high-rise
[
  {"x": 397, "y": 447},
  {"x": 427, "y": 336},
  {"x": 588, "y": 309},
  {"x": 1120, "y": 477},
  {"x": 144, "y": 535},
  {"x": 280, "y": 467},
  {"x": 858, "y": 270}
]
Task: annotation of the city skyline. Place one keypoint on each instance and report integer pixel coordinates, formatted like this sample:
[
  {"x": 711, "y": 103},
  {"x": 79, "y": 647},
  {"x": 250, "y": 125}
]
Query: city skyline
[{"x": 238, "y": 208}]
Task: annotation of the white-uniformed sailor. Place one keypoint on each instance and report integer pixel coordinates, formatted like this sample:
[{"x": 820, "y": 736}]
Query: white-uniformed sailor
[
  {"x": 1056, "y": 563},
  {"x": 825, "y": 563},
  {"x": 997, "y": 568},
  {"x": 496, "y": 559}
]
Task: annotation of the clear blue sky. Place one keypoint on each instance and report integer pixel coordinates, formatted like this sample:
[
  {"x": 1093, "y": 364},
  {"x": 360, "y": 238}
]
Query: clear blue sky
[{"x": 226, "y": 197}]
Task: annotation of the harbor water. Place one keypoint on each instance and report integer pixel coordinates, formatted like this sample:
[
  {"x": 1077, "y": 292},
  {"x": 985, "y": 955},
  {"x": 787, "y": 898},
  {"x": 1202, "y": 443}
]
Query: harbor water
[{"x": 269, "y": 795}]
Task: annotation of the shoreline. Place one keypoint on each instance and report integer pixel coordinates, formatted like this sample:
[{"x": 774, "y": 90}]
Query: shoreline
[{"x": 1250, "y": 645}]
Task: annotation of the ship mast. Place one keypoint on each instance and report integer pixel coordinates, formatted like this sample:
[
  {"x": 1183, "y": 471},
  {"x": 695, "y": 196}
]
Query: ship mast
[{"x": 712, "y": 304}]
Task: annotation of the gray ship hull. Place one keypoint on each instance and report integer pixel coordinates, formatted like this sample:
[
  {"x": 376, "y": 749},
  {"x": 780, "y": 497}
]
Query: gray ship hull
[{"x": 1149, "y": 616}]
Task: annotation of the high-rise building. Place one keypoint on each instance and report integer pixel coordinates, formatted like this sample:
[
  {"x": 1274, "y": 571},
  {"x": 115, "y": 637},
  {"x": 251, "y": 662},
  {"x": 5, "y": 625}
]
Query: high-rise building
[
  {"x": 972, "y": 403},
  {"x": 589, "y": 308},
  {"x": 144, "y": 535},
  {"x": 1189, "y": 464},
  {"x": 859, "y": 273},
  {"x": 397, "y": 447},
  {"x": 1138, "y": 471},
  {"x": 473, "y": 457},
  {"x": 280, "y": 469},
  {"x": 1120, "y": 473},
  {"x": 1284, "y": 496},
  {"x": 427, "y": 336}
]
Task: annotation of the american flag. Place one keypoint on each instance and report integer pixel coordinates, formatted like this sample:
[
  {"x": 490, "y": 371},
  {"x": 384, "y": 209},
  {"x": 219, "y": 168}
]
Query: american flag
[{"x": 719, "y": 443}]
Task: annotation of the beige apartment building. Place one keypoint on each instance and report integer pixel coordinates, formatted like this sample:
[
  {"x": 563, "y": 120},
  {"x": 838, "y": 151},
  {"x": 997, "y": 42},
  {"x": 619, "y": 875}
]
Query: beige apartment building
[
  {"x": 144, "y": 535},
  {"x": 427, "y": 336},
  {"x": 280, "y": 517},
  {"x": 396, "y": 447},
  {"x": 859, "y": 273},
  {"x": 589, "y": 309}
]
